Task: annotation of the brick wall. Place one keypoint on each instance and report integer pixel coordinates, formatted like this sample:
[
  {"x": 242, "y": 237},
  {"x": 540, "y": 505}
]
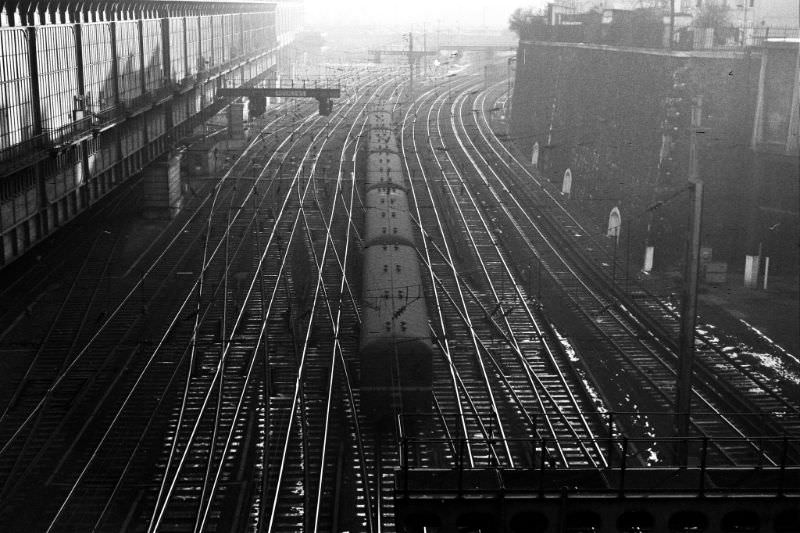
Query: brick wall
[{"x": 619, "y": 119}]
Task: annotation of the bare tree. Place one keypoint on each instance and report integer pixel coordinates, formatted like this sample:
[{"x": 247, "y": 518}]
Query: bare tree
[
  {"x": 522, "y": 22},
  {"x": 712, "y": 14}
]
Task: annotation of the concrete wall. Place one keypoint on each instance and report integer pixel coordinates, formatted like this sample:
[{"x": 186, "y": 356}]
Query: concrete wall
[{"x": 619, "y": 119}]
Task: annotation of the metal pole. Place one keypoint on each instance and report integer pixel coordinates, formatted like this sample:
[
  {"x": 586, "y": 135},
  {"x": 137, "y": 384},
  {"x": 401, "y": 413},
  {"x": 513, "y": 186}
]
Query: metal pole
[
  {"x": 424, "y": 50},
  {"x": 460, "y": 465},
  {"x": 623, "y": 465},
  {"x": 405, "y": 466},
  {"x": 542, "y": 460},
  {"x": 784, "y": 455},
  {"x": 703, "y": 457},
  {"x": 508, "y": 80},
  {"x": 614, "y": 259},
  {"x": 689, "y": 304},
  {"x": 672, "y": 22},
  {"x": 627, "y": 255},
  {"x": 539, "y": 279},
  {"x": 411, "y": 61}
]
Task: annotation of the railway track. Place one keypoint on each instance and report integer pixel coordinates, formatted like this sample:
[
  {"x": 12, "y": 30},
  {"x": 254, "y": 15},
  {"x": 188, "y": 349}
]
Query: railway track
[
  {"x": 216, "y": 305},
  {"x": 509, "y": 354},
  {"x": 647, "y": 355},
  {"x": 212, "y": 385}
]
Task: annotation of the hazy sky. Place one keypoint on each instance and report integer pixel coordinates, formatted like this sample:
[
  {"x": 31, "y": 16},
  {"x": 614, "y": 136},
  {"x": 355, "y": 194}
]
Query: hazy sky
[{"x": 449, "y": 12}]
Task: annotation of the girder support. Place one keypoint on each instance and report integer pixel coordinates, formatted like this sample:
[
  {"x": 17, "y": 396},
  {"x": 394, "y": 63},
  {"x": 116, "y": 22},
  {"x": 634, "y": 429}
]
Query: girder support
[
  {"x": 323, "y": 95},
  {"x": 645, "y": 499}
]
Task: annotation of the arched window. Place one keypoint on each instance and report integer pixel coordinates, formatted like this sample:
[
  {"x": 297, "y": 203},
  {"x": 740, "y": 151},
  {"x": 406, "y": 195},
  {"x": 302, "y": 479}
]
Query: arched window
[
  {"x": 535, "y": 155},
  {"x": 614, "y": 223},
  {"x": 566, "y": 186}
]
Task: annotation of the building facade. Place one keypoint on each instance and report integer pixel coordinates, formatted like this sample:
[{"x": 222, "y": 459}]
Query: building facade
[{"x": 90, "y": 94}]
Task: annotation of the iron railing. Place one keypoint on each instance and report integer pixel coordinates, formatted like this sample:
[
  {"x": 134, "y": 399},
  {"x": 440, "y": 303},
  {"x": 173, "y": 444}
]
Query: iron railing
[
  {"x": 66, "y": 132},
  {"x": 422, "y": 472},
  {"x": 107, "y": 116},
  {"x": 732, "y": 37},
  {"x": 21, "y": 151},
  {"x": 655, "y": 36}
]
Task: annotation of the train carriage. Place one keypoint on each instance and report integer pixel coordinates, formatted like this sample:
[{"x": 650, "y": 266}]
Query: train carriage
[
  {"x": 384, "y": 168},
  {"x": 396, "y": 351},
  {"x": 387, "y": 217}
]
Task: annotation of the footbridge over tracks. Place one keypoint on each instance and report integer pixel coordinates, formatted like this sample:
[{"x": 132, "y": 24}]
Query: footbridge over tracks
[
  {"x": 433, "y": 45},
  {"x": 490, "y": 49},
  {"x": 258, "y": 95}
]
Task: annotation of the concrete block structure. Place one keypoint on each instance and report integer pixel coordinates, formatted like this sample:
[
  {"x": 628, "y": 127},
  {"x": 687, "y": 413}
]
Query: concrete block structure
[{"x": 162, "y": 187}]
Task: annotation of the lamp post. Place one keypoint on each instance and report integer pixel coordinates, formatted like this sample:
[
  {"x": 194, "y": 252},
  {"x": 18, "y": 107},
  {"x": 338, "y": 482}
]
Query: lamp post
[{"x": 672, "y": 22}]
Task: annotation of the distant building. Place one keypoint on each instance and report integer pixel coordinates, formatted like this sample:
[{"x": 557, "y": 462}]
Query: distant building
[
  {"x": 558, "y": 10},
  {"x": 743, "y": 13},
  {"x": 746, "y": 13}
]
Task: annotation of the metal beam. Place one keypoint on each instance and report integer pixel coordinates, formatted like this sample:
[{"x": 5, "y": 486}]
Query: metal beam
[
  {"x": 402, "y": 52},
  {"x": 265, "y": 92}
]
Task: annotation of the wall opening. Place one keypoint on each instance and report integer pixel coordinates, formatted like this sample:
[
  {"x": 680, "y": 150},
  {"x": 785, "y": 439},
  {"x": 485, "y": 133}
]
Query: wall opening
[
  {"x": 583, "y": 522},
  {"x": 614, "y": 223},
  {"x": 635, "y": 522},
  {"x": 474, "y": 522},
  {"x": 787, "y": 520},
  {"x": 566, "y": 185},
  {"x": 421, "y": 521},
  {"x": 741, "y": 521},
  {"x": 528, "y": 522},
  {"x": 688, "y": 521}
]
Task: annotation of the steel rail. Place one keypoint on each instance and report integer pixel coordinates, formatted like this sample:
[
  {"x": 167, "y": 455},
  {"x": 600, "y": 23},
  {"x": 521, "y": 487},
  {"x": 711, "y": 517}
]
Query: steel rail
[
  {"x": 195, "y": 329},
  {"x": 337, "y": 350},
  {"x": 470, "y": 328},
  {"x": 298, "y": 383},
  {"x": 151, "y": 359},
  {"x": 514, "y": 344},
  {"x": 479, "y": 359},
  {"x": 109, "y": 318},
  {"x": 592, "y": 292},
  {"x": 155, "y": 524},
  {"x": 445, "y": 343},
  {"x": 575, "y": 276},
  {"x": 226, "y": 340},
  {"x": 207, "y": 263},
  {"x": 523, "y": 301},
  {"x": 335, "y": 318},
  {"x": 667, "y": 310},
  {"x": 241, "y": 398},
  {"x": 9, "y": 483},
  {"x": 486, "y": 349},
  {"x": 96, "y": 212},
  {"x": 465, "y": 314}
]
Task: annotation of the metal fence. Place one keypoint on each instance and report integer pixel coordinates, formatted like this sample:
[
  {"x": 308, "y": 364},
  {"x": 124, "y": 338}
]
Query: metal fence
[
  {"x": 657, "y": 35},
  {"x": 777, "y": 475},
  {"x": 732, "y": 37}
]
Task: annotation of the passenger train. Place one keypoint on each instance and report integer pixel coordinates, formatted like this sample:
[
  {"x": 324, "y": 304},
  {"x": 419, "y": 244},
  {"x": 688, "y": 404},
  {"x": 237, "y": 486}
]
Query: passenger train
[{"x": 396, "y": 351}]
